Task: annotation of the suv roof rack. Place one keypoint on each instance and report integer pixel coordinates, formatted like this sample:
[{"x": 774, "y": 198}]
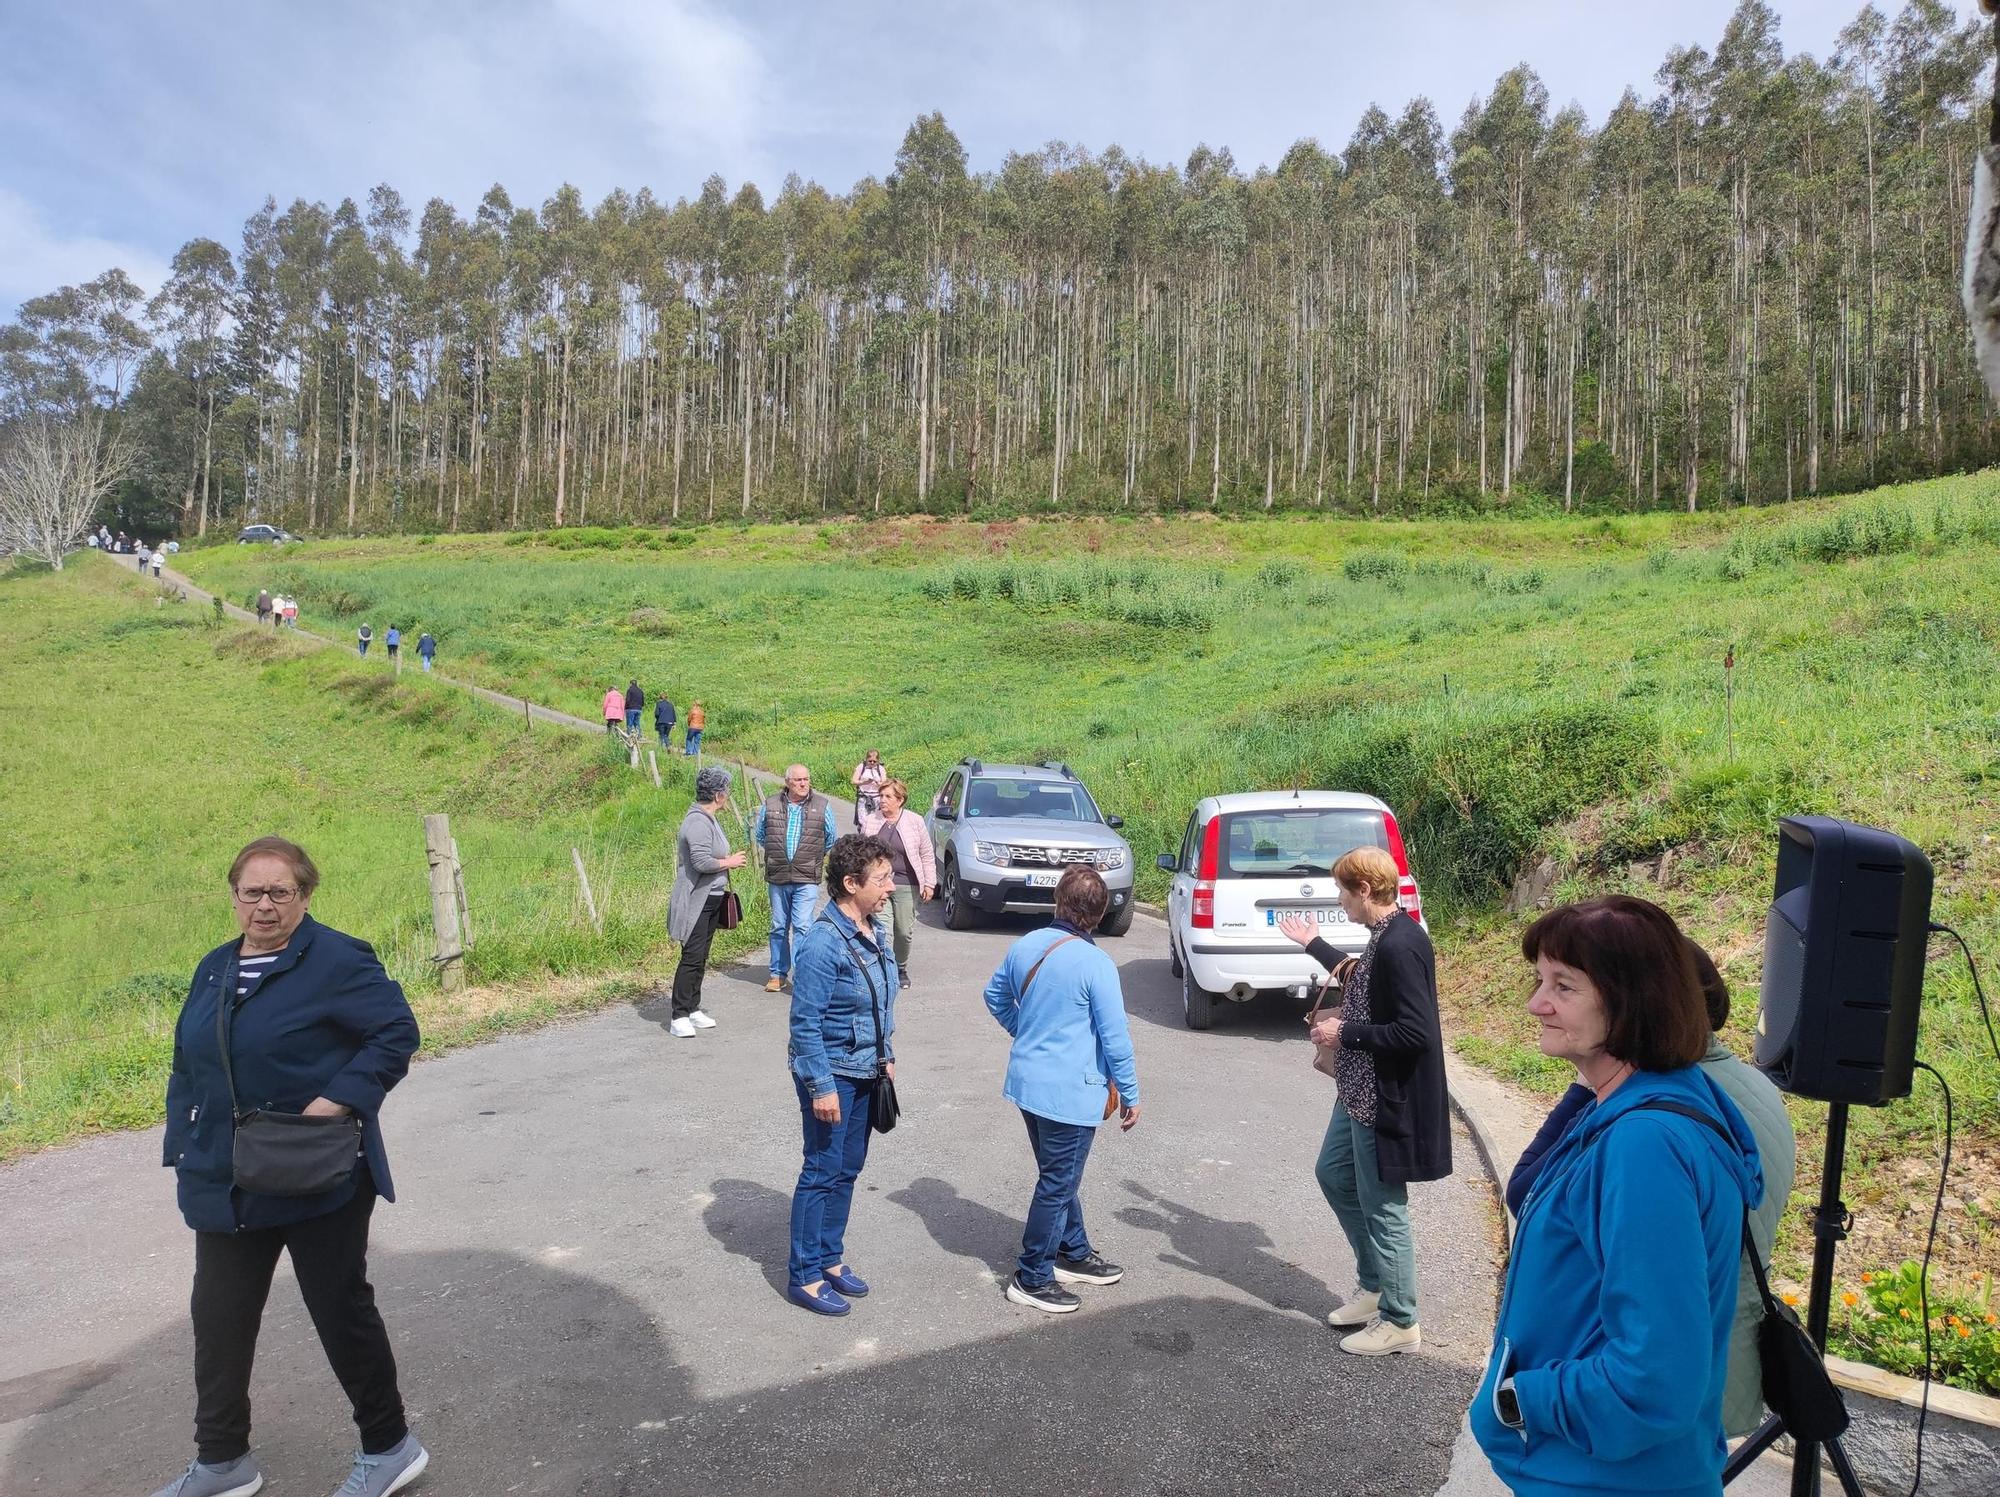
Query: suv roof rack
[
  {"x": 1059, "y": 767},
  {"x": 974, "y": 766}
]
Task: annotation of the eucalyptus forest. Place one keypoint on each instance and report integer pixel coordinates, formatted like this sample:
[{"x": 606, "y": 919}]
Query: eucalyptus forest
[{"x": 1739, "y": 287}]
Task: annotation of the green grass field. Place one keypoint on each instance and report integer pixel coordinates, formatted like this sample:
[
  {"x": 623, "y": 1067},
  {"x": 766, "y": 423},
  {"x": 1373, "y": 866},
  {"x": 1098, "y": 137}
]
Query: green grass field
[
  {"x": 1516, "y": 689},
  {"x": 145, "y": 744},
  {"x": 1519, "y": 690}
]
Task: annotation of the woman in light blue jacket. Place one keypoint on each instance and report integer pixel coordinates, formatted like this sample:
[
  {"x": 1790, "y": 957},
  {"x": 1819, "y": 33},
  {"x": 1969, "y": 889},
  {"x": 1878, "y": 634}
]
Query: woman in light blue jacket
[{"x": 1059, "y": 997}]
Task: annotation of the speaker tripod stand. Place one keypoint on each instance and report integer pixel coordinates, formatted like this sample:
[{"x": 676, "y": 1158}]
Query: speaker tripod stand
[{"x": 1830, "y": 1223}]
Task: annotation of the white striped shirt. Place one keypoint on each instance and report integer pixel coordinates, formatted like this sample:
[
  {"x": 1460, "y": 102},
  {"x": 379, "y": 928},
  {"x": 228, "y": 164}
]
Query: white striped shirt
[{"x": 250, "y": 971}]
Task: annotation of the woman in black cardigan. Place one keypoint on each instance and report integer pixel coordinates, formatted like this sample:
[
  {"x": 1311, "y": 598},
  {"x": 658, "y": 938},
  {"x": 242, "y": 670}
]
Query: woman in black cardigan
[{"x": 1390, "y": 1124}]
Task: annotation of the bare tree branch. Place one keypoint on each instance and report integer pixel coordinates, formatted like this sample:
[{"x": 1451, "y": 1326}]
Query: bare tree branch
[{"x": 53, "y": 475}]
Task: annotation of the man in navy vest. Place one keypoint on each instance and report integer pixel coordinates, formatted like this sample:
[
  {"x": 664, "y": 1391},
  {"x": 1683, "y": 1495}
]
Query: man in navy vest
[{"x": 795, "y": 828}]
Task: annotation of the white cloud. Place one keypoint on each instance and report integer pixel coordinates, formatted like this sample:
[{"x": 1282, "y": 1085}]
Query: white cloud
[{"x": 35, "y": 258}]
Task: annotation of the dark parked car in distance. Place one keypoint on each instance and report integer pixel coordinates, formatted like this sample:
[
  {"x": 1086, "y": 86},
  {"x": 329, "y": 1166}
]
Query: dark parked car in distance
[{"x": 259, "y": 534}]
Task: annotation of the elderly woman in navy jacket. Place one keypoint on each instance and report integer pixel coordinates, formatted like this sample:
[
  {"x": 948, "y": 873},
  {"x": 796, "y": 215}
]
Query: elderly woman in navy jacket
[
  {"x": 314, "y": 1027},
  {"x": 843, "y": 1014},
  {"x": 1059, "y": 997}
]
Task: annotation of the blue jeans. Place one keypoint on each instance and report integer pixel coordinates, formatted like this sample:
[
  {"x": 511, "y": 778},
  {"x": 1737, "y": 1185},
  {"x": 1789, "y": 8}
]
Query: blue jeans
[
  {"x": 632, "y": 720},
  {"x": 835, "y": 1153},
  {"x": 426, "y": 660},
  {"x": 792, "y": 907},
  {"x": 364, "y": 645},
  {"x": 693, "y": 741},
  {"x": 1374, "y": 1214},
  {"x": 666, "y": 734},
  {"x": 1055, "y": 1215}
]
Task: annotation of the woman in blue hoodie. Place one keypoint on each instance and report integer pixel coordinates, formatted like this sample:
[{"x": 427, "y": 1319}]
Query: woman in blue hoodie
[{"x": 1612, "y": 1341}]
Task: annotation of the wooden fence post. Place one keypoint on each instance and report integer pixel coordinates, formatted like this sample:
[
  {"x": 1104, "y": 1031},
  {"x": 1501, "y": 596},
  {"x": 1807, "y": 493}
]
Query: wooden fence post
[
  {"x": 464, "y": 908},
  {"x": 588, "y": 902},
  {"x": 442, "y": 854},
  {"x": 653, "y": 761}
]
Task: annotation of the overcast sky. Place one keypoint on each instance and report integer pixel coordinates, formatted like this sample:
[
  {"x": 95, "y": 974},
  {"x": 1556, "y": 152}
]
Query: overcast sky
[{"x": 131, "y": 126}]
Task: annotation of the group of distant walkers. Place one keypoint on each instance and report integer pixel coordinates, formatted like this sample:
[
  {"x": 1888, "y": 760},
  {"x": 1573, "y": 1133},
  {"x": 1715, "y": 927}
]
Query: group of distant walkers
[
  {"x": 1625, "y": 1345},
  {"x": 277, "y": 610},
  {"x": 151, "y": 558},
  {"x": 626, "y": 709}
]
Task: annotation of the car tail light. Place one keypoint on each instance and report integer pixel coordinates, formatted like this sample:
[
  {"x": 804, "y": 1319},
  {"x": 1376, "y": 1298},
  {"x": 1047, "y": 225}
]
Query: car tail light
[
  {"x": 1407, "y": 894},
  {"x": 1201, "y": 912}
]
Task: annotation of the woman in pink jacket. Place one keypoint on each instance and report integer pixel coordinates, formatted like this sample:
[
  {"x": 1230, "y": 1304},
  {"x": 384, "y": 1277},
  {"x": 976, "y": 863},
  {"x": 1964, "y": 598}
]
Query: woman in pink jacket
[
  {"x": 912, "y": 857},
  {"x": 614, "y": 710}
]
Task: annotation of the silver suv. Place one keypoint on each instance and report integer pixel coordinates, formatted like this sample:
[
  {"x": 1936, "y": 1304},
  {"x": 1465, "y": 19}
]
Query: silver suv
[{"x": 1006, "y": 832}]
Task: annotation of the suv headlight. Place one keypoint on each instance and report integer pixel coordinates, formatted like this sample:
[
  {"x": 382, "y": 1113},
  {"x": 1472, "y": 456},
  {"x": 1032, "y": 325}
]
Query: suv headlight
[
  {"x": 1110, "y": 857},
  {"x": 991, "y": 852}
]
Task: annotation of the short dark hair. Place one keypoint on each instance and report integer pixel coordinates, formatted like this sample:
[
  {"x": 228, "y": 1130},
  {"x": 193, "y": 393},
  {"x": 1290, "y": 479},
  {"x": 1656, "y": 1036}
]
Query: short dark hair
[
  {"x": 852, "y": 857},
  {"x": 303, "y": 870},
  {"x": 1644, "y": 971},
  {"x": 1714, "y": 989},
  {"x": 1081, "y": 897}
]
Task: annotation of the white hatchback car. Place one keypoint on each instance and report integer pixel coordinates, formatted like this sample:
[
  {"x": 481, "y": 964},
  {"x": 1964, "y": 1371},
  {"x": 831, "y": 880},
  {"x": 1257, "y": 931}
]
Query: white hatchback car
[{"x": 1244, "y": 863}]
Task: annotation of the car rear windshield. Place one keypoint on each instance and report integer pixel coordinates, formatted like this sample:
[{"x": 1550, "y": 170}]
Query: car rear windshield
[
  {"x": 1047, "y": 800},
  {"x": 1286, "y": 842}
]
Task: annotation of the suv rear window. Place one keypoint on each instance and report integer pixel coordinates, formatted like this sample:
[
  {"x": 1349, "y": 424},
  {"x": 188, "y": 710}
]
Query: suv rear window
[
  {"x": 1285, "y": 843},
  {"x": 1047, "y": 800}
]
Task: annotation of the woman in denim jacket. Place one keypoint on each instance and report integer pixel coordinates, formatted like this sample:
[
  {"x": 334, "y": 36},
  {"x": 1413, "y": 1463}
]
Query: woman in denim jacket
[{"x": 843, "y": 1013}]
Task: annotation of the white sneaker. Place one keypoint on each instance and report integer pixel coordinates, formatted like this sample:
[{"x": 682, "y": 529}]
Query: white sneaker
[
  {"x": 701, "y": 1020},
  {"x": 1356, "y": 1310},
  {"x": 1381, "y": 1339},
  {"x": 681, "y": 1029}
]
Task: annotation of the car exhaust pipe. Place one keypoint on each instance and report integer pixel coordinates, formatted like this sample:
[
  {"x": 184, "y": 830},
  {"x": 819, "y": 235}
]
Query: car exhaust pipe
[{"x": 1241, "y": 993}]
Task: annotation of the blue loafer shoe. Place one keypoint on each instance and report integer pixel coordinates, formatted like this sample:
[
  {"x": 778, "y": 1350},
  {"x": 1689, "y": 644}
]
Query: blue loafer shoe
[
  {"x": 846, "y": 1280},
  {"x": 826, "y": 1302}
]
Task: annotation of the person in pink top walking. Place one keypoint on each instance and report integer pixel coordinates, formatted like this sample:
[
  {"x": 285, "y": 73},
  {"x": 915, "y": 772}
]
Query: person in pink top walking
[
  {"x": 614, "y": 710},
  {"x": 912, "y": 857}
]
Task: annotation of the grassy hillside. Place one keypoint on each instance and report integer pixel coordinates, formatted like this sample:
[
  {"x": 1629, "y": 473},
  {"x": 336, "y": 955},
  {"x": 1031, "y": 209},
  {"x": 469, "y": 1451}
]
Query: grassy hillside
[
  {"x": 146, "y": 743},
  {"x": 1519, "y": 690}
]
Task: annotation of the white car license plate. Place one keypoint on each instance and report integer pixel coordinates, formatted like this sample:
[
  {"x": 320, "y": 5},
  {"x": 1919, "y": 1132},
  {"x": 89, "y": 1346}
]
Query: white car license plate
[
  {"x": 1321, "y": 914},
  {"x": 1043, "y": 880}
]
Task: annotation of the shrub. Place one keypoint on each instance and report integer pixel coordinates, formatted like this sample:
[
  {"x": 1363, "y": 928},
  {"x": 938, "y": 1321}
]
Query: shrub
[{"x": 1375, "y": 566}]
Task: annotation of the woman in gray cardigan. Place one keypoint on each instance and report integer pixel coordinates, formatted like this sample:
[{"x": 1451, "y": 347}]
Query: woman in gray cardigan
[{"x": 702, "y": 861}]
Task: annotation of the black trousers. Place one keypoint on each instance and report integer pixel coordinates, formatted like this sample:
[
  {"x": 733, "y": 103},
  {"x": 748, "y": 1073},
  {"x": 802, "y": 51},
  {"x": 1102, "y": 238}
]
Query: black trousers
[
  {"x": 694, "y": 959},
  {"x": 232, "y": 1280}
]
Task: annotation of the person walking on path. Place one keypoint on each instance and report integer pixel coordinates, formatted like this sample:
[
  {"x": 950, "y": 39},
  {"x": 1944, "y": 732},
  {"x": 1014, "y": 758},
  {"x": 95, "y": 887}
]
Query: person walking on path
[
  {"x": 635, "y": 703},
  {"x": 427, "y": 648},
  {"x": 912, "y": 856},
  {"x": 614, "y": 710},
  {"x": 364, "y": 636},
  {"x": 867, "y": 780},
  {"x": 1059, "y": 997},
  {"x": 1763, "y": 1108},
  {"x": 697, "y": 721},
  {"x": 702, "y": 864},
  {"x": 299, "y": 1022},
  {"x": 795, "y": 827},
  {"x": 1391, "y": 1122},
  {"x": 263, "y": 606},
  {"x": 842, "y": 1020},
  {"x": 394, "y": 640},
  {"x": 291, "y": 612},
  {"x": 663, "y": 720},
  {"x": 1611, "y": 1347}
]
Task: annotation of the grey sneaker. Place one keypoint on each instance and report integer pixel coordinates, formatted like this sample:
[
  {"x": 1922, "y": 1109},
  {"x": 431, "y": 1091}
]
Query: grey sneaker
[
  {"x": 237, "y": 1478},
  {"x": 391, "y": 1471}
]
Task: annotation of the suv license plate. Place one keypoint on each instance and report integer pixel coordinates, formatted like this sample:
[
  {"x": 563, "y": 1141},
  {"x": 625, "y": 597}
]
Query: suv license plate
[
  {"x": 1322, "y": 914},
  {"x": 1043, "y": 880}
]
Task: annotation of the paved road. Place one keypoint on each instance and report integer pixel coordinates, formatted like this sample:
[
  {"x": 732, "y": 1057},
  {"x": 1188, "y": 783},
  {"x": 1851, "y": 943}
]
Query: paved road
[{"x": 583, "y": 1280}]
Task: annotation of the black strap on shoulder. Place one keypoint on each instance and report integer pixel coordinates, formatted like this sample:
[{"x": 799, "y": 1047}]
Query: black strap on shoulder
[
  {"x": 1708, "y": 1120},
  {"x": 224, "y": 1001}
]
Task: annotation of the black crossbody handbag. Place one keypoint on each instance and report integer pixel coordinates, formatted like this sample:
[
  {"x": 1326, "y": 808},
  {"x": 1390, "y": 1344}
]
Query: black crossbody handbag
[
  {"x": 1797, "y": 1386},
  {"x": 884, "y": 1110},
  {"x": 282, "y": 1153}
]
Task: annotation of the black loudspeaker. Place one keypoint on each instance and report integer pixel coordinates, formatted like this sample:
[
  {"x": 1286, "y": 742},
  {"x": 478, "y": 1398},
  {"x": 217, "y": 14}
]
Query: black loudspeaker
[{"x": 1843, "y": 962}]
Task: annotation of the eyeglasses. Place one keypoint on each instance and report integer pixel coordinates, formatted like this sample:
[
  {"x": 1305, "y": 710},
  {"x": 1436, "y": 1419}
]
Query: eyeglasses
[{"x": 277, "y": 894}]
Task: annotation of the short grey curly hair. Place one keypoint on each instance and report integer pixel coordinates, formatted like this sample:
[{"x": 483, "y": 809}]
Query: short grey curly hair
[{"x": 712, "y": 783}]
